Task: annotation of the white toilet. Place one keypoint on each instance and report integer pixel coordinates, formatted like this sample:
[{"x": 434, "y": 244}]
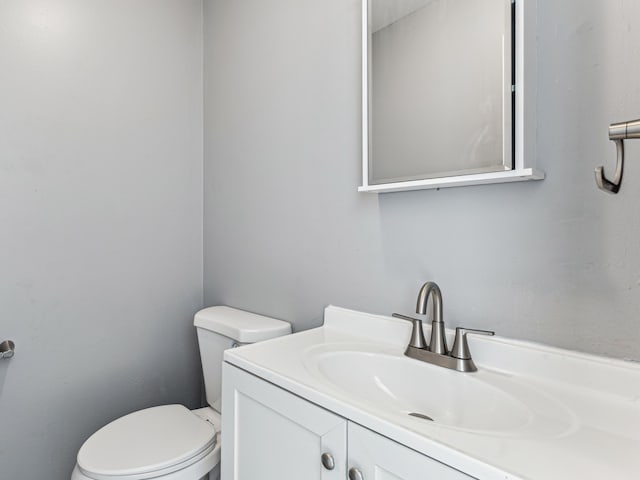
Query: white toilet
[{"x": 171, "y": 442}]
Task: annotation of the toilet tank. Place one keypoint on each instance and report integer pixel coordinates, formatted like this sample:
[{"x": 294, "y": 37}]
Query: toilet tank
[{"x": 221, "y": 327}]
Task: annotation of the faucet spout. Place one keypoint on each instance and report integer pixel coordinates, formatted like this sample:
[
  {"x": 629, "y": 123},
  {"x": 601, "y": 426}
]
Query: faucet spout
[
  {"x": 423, "y": 297},
  {"x": 438, "y": 343}
]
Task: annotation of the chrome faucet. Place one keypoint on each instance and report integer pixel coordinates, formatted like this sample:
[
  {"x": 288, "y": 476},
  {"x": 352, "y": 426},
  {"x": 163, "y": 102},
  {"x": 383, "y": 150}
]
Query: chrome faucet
[
  {"x": 438, "y": 343},
  {"x": 459, "y": 358}
]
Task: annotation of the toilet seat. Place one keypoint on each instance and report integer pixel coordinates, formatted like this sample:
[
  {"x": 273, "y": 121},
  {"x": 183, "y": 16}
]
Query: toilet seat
[{"x": 148, "y": 444}]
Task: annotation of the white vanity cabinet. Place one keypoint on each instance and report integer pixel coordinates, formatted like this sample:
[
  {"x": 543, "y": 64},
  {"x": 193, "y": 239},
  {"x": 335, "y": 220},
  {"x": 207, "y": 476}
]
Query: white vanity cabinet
[
  {"x": 272, "y": 434},
  {"x": 376, "y": 457}
]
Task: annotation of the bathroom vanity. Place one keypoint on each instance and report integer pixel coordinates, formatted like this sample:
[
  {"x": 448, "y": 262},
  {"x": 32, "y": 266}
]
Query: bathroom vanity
[
  {"x": 280, "y": 435},
  {"x": 342, "y": 401}
]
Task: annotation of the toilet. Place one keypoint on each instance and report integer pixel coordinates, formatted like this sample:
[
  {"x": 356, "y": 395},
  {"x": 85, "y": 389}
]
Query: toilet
[{"x": 171, "y": 442}]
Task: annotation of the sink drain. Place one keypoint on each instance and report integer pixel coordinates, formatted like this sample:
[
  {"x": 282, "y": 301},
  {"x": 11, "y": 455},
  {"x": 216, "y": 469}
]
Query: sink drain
[{"x": 421, "y": 415}]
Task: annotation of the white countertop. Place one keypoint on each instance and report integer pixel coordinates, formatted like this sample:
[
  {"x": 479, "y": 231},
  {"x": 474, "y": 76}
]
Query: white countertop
[{"x": 587, "y": 408}]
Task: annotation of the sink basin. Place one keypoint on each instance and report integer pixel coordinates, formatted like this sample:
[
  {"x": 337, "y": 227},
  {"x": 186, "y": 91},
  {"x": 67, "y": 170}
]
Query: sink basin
[
  {"x": 530, "y": 411},
  {"x": 481, "y": 402}
]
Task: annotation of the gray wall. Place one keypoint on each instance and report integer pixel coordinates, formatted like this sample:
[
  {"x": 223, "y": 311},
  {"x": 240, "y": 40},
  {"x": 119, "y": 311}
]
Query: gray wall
[
  {"x": 286, "y": 233},
  {"x": 101, "y": 219}
]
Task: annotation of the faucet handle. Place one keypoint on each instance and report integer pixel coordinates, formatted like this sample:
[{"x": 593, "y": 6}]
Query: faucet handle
[
  {"x": 417, "y": 334},
  {"x": 460, "y": 348}
]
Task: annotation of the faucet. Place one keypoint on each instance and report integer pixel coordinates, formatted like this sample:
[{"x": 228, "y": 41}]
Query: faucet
[
  {"x": 436, "y": 352},
  {"x": 438, "y": 343}
]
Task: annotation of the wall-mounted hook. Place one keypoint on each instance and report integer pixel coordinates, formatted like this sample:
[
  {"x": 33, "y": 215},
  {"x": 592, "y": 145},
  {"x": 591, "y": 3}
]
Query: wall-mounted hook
[
  {"x": 618, "y": 132},
  {"x": 7, "y": 349},
  {"x": 612, "y": 186}
]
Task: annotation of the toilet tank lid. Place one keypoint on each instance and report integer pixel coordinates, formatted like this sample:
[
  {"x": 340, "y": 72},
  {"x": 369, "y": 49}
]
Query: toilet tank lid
[{"x": 241, "y": 326}]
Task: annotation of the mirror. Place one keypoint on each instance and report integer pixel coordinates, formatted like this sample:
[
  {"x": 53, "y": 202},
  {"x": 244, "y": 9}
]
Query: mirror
[{"x": 438, "y": 101}]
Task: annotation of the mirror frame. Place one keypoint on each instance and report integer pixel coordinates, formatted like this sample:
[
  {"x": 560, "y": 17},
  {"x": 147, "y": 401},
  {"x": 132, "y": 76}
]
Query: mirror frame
[{"x": 525, "y": 119}]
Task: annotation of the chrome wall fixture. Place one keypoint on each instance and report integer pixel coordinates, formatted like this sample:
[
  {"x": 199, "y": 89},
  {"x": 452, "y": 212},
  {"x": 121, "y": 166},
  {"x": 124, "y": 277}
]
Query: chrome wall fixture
[
  {"x": 618, "y": 132},
  {"x": 7, "y": 349}
]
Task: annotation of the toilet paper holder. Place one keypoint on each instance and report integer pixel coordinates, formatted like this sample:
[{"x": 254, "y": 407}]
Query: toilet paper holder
[{"x": 7, "y": 349}]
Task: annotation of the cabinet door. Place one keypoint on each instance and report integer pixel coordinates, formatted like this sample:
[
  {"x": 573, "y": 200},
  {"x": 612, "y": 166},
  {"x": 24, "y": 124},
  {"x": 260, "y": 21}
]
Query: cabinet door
[
  {"x": 378, "y": 458},
  {"x": 271, "y": 434}
]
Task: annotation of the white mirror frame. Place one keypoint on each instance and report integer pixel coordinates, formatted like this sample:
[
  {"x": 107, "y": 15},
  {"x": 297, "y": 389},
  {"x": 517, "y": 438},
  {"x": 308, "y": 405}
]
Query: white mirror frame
[{"x": 525, "y": 116}]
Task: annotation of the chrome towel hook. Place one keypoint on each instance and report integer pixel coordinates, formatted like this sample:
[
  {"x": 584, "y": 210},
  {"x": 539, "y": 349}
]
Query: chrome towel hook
[
  {"x": 618, "y": 132},
  {"x": 7, "y": 349}
]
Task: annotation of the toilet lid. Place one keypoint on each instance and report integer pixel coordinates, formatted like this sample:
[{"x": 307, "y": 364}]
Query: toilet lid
[{"x": 145, "y": 442}]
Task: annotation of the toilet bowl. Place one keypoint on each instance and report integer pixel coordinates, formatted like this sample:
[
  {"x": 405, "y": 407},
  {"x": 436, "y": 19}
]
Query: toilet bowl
[{"x": 171, "y": 442}]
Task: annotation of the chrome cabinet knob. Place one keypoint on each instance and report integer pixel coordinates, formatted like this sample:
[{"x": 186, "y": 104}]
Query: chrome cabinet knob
[
  {"x": 327, "y": 461},
  {"x": 355, "y": 474}
]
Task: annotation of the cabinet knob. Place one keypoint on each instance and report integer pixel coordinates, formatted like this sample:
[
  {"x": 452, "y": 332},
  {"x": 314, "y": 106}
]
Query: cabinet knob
[
  {"x": 355, "y": 474},
  {"x": 327, "y": 461}
]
